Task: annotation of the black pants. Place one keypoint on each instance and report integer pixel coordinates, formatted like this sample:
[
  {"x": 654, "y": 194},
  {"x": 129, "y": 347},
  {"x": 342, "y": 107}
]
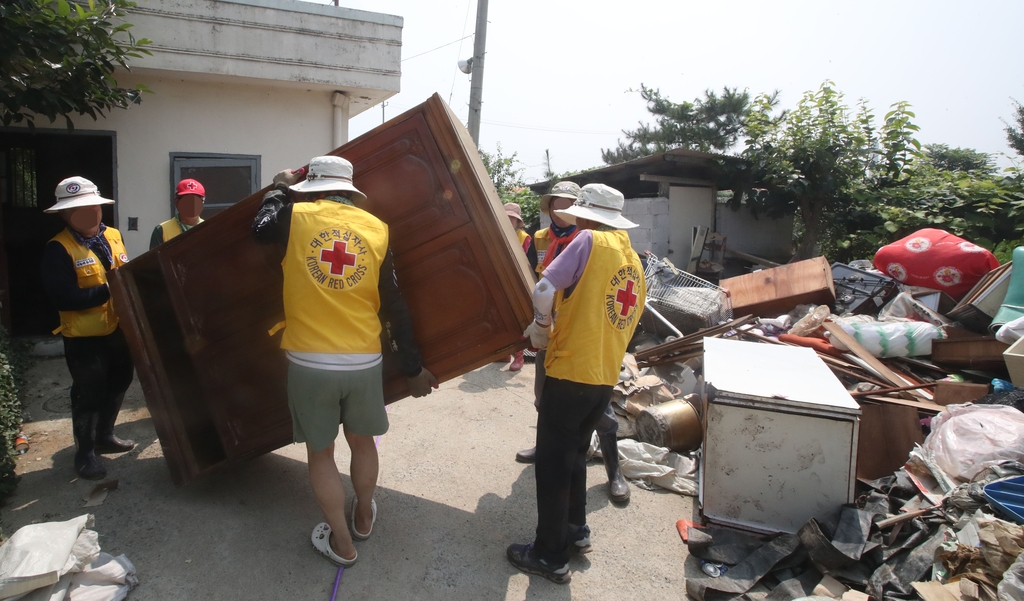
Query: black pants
[
  {"x": 567, "y": 415},
  {"x": 607, "y": 426},
  {"x": 101, "y": 371}
]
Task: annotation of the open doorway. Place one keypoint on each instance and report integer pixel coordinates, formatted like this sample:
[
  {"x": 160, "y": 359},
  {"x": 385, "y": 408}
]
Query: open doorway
[{"x": 31, "y": 165}]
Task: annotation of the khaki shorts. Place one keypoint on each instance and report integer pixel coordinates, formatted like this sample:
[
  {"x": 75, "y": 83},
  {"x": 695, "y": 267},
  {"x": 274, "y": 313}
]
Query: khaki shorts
[{"x": 320, "y": 399}]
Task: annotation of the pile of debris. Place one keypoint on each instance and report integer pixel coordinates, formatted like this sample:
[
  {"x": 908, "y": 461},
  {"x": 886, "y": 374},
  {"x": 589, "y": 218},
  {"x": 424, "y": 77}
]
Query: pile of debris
[{"x": 917, "y": 461}]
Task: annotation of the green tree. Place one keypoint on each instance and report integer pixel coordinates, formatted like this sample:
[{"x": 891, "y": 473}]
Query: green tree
[
  {"x": 958, "y": 159},
  {"x": 712, "y": 123},
  {"x": 58, "y": 59},
  {"x": 507, "y": 175},
  {"x": 821, "y": 157},
  {"x": 1015, "y": 130}
]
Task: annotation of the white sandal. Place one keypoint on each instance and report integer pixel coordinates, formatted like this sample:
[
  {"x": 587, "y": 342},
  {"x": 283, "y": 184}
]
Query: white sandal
[
  {"x": 321, "y": 540},
  {"x": 373, "y": 520}
]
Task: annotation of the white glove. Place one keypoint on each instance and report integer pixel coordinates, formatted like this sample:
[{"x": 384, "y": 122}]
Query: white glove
[{"x": 538, "y": 335}]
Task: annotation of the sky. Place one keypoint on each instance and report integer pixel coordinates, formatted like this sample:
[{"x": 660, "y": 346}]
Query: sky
[{"x": 563, "y": 75}]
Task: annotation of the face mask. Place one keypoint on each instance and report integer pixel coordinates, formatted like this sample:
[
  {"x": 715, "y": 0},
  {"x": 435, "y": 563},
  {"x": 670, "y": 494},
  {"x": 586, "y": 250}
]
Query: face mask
[
  {"x": 85, "y": 219},
  {"x": 190, "y": 206}
]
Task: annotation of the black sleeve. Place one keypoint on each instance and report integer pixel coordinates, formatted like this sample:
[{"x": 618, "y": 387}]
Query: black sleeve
[
  {"x": 394, "y": 316},
  {"x": 157, "y": 238},
  {"x": 531, "y": 256},
  {"x": 61, "y": 282},
  {"x": 274, "y": 218}
]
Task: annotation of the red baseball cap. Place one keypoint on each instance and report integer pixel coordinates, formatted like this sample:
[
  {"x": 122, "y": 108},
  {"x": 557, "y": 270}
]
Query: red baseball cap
[{"x": 190, "y": 186}]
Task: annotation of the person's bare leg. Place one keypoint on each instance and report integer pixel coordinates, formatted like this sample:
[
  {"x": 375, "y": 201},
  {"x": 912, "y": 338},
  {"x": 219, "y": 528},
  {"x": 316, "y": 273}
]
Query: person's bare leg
[
  {"x": 330, "y": 495},
  {"x": 364, "y": 469}
]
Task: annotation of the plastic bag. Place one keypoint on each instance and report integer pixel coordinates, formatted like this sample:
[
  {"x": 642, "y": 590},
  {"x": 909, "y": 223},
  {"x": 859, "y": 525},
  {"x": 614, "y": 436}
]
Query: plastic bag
[
  {"x": 810, "y": 322},
  {"x": 893, "y": 339},
  {"x": 1012, "y": 586},
  {"x": 1011, "y": 331},
  {"x": 966, "y": 439}
]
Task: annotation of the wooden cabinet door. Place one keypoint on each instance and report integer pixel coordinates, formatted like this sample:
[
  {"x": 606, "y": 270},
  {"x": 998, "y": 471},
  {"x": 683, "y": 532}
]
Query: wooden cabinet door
[{"x": 197, "y": 309}]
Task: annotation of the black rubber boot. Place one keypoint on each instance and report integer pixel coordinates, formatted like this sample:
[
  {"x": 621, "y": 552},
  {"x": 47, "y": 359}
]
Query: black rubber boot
[
  {"x": 527, "y": 455},
  {"x": 618, "y": 486},
  {"x": 87, "y": 465},
  {"x": 107, "y": 443}
]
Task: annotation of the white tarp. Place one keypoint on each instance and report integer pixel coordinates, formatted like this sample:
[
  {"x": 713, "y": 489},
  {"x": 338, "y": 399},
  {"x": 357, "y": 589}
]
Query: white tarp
[{"x": 54, "y": 561}]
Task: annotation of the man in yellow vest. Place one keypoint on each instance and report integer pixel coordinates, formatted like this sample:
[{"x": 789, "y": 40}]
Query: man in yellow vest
[
  {"x": 189, "y": 199},
  {"x": 550, "y": 243},
  {"x": 596, "y": 287},
  {"x": 74, "y": 273},
  {"x": 339, "y": 284}
]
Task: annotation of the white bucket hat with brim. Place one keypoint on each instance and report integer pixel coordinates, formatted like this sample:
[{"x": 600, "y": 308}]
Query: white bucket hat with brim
[
  {"x": 564, "y": 189},
  {"x": 327, "y": 174},
  {"x": 75, "y": 192},
  {"x": 599, "y": 203}
]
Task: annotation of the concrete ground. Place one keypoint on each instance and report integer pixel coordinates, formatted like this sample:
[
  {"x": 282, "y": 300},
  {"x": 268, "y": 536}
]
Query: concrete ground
[{"x": 451, "y": 499}]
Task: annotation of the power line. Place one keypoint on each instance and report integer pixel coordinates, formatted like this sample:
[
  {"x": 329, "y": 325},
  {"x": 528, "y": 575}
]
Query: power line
[
  {"x": 438, "y": 48},
  {"x": 562, "y": 131}
]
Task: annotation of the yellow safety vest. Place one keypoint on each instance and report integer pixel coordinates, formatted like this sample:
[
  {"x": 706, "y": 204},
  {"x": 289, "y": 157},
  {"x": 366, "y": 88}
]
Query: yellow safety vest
[
  {"x": 541, "y": 240},
  {"x": 172, "y": 228},
  {"x": 94, "y": 321},
  {"x": 522, "y": 236},
  {"x": 594, "y": 325},
  {"x": 331, "y": 270}
]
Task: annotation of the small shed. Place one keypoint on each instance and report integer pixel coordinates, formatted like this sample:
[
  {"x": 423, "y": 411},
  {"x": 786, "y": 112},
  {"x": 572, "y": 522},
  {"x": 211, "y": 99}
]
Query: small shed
[{"x": 670, "y": 193}]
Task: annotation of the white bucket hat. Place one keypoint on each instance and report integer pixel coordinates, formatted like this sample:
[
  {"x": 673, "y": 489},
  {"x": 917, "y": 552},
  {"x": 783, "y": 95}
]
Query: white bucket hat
[
  {"x": 75, "y": 192},
  {"x": 327, "y": 174},
  {"x": 599, "y": 203}
]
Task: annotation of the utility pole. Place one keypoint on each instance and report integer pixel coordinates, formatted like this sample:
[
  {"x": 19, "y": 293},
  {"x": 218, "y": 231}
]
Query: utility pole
[{"x": 476, "y": 86}]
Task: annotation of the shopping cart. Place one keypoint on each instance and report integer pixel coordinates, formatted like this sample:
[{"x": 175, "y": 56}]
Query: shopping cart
[{"x": 686, "y": 301}]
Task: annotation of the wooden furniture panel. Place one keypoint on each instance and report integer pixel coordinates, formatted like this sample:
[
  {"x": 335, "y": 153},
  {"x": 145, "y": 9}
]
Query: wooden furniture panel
[
  {"x": 888, "y": 433},
  {"x": 772, "y": 292},
  {"x": 197, "y": 309}
]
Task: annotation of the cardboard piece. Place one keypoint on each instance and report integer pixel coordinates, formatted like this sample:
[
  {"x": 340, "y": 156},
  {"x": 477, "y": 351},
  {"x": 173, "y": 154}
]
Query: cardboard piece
[{"x": 772, "y": 292}]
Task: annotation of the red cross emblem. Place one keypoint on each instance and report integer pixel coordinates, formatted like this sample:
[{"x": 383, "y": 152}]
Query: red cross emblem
[
  {"x": 626, "y": 297},
  {"x": 190, "y": 185},
  {"x": 340, "y": 258}
]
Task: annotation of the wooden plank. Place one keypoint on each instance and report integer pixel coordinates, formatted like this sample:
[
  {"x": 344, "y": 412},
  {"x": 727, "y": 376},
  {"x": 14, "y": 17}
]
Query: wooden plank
[
  {"x": 862, "y": 353},
  {"x": 919, "y": 405},
  {"x": 696, "y": 337},
  {"x": 978, "y": 353},
  {"x": 888, "y": 433},
  {"x": 955, "y": 393}
]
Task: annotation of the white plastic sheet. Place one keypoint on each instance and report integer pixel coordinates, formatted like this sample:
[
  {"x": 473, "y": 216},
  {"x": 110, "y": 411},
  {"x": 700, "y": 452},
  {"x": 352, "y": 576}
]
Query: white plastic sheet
[
  {"x": 1011, "y": 588},
  {"x": 659, "y": 466},
  {"x": 1011, "y": 331},
  {"x": 58, "y": 561},
  {"x": 966, "y": 439}
]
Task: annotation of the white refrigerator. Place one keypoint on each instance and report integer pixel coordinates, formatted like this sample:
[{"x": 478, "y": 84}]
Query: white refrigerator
[{"x": 780, "y": 437}]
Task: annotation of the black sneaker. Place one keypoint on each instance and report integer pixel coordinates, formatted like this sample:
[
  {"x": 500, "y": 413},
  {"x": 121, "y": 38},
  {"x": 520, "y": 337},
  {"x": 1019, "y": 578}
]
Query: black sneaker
[
  {"x": 525, "y": 558},
  {"x": 580, "y": 539}
]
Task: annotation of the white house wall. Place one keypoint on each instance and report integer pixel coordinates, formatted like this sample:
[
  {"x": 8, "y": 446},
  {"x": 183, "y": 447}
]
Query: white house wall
[
  {"x": 285, "y": 127},
  {"x": 280, "y": 42},
  {"x": 688, "y": 207}
]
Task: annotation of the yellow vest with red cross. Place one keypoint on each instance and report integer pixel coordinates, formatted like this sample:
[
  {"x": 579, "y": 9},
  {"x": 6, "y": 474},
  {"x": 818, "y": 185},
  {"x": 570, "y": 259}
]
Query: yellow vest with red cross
[
  {"x": 594, "y": 325},
  {"x": 541, "y": 240},
  {"x": 331, "y": 269},
  {"x": 94, "y": 321},
  {"x": 172, "y": 228}
]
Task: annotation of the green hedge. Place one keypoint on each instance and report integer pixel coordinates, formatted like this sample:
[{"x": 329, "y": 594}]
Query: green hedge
[{"x": 11, "y": 365}]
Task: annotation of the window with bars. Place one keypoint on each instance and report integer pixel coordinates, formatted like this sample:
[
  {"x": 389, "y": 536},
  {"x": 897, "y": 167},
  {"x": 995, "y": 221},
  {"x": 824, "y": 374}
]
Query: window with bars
[
  {"x": 228, "y": 178},
  {"x": 18, "y": 178}
]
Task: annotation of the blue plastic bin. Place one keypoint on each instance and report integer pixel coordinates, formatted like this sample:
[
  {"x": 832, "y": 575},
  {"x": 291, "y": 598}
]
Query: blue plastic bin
[{"x": 1007, "y": 497}]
